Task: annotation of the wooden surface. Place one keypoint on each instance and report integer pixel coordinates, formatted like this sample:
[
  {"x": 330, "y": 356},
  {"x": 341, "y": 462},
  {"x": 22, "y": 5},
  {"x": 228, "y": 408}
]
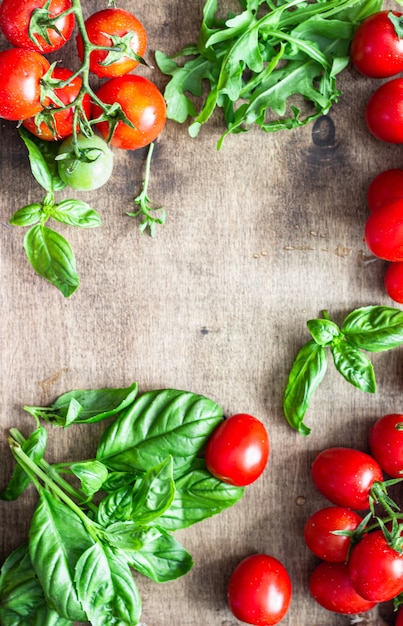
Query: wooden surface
[{"x": 260, "y": 237}]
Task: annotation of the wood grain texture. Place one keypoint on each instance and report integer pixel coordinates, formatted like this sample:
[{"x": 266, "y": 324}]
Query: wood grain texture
[{"x": 260, "y": 237}]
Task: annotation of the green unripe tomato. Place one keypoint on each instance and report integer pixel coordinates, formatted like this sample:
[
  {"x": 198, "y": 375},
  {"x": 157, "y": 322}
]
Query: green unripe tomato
[{"x": 92, "y": 169}]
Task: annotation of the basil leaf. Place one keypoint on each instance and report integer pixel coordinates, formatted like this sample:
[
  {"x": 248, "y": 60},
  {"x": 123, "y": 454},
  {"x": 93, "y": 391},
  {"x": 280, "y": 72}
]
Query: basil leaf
[
  {"x": 354, "y": 366},
  {"x": 42, "y": 161},
  {"x": 92, "y": 475},
  {"x": 86, "y": 406},
  {"x": 34, "y": 447},
  {"x": 158, "y": 424},
  {"x": 374, "y": 328},
  {"x": 198, "y": 495},
  {"x": 57, "y": 538},
  {"x": 27, "y": 215},
  {"x": 116, "y": 506},
  {"x": 129, "y": 536},
  {"x": 52, "y": 258},
  {"x": 75, "y": 213},
  {"x": 162, "y": 560},
  {"x": 106, "y": 588},
  {"x": 323, "y": 331},
  {"x": 117, "y": 480},
  {"x": 306, "y": 374}
]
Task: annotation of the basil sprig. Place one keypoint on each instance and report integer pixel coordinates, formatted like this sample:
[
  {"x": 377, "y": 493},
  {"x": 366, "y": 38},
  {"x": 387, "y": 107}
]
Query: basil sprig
[
  {"x": 149, "y": 479},
  {"x": 371, "y": 328}
]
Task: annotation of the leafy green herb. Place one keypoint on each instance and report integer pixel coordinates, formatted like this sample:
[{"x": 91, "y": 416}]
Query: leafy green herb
[
  {"x": 78, "y": 560},
  {"x": 372, "y": 328},
  {"x": 271, "y": 64}
]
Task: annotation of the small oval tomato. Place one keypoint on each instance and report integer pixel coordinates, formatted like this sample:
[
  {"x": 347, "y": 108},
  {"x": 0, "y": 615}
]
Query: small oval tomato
[
  {"x": 320, "y": 528},
  {"x": 15, "y": 17},
  {"x": 386, "y": 443},
  {"x": 345, "y": 476},
  {"x": 20, "y": 89},
  {"x": 94, "y": 167},
  {"x": 114, "y": 27},
  {"x": 238, "y": 450},
  {"x": 383, "y": 232},
  {"x": 58, "y": 125},
  {"x": 393, "y": 281},
  {"x": 384, "y": 112},
  {"x": 141, "y": 102},
  {"x": 386, "y": 186},
  {"x": 375, "y": 568},
  {"x": 259, "y": 590},
  {"x": 376, "y": 49},
  {"x": 330, "y": 585}
]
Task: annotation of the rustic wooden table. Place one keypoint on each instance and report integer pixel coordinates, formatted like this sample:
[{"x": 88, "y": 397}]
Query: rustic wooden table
[{"x": 260, "y": 237}]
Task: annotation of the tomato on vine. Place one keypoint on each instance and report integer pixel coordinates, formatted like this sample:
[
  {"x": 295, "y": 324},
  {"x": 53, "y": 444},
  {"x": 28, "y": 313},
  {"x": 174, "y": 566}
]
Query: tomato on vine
[
  {"x": 21, "y": 72},
  {"x": 384, "y": 112},
  {"x": 377, "y": 45},
  {"x": 386, "y": 443},
  {"x": 320, "y": 529},
  {"x": 330, "y": 585},
  {"x": 90, "y": 168},
  {"x": 386, "y": 186}
]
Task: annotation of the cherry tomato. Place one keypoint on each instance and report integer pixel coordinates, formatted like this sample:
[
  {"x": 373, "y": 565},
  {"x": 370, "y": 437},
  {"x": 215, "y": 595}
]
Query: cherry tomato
[
  {"x": 15, "y": 17},
  {"x": 58, "y": 125},
  {"x": 238, "y": 450},
  {"x": 20, "y": 90},
  {"x": 142, "y": 103},
  {"x": 386, "y": 443},
  {"x": 393, "y": 281},
  {"x": 376, "y": 48},
  {"x": 319, "y": 532},
  {"x": 375, "y": 568},
  {"x": 383, "y": 232},
  {"x": 384, "y": 112},
  {"x": 95, "y": 168},
  {"x": 345, "y": 476},
  {"x": 101, "y": 27},
  {"x": 330, "y": 585},
  {"x": 399, "y": 617},
  {"x": 259, "y": 590},
  {"x": 386, "y": 186}
]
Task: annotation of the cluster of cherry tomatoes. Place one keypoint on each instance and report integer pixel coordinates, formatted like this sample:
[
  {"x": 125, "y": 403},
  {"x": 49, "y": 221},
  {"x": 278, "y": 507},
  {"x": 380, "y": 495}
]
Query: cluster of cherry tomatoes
[
  {"x": 377, "y": 52},
  {"x": 358, "y": 538}
]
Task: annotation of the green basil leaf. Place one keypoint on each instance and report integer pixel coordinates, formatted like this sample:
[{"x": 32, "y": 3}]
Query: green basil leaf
[
  {"x": 129, "y": 536},
  {"x": 354, "y": 366},
  {"x": 117, "y": 480},
  {"x": 323, "y": 331},
  {"x": 42, "y": 161},
  {"x": 20, "y": 591},
  {"x": 306, "y": 374},
  {"x": 34, "y": 447},
  {"x": 27, "y": 215},
  {"x": 162, "y": 560},
  {"x": 106, "y": 588},
  {"x": 76, "y": 213},
  {"x": 158, "y": 424},
  {"x": 92, "y": 475},
  {"x": 153, "y": 494},
  {"x": 46, "y": 616},
  {"x": 52, "y": 258},
  {"x": 86, "y": 406},
  {"x": 374, "y": 328},
  {"x": 116, "y": 506},
  {"x": 57, "y": 538}
]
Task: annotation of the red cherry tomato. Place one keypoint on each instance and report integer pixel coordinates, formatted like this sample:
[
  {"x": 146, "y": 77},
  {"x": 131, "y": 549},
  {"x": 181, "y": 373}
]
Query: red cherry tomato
[
  {"x": 101, "y": 27},
  {"x": 393, "y": 281},
  {"x": 345, "y": 476},
  {"x": 384, "y": 112},
  {"x": 386, "y": 443},
  {"x": 259, "y": 590},
  {"x": 376, "y": 48},
  {"x": 383, "y": 232},
  {"x": 142, "y": 103},
  {"x": 15, "y": 17},
  {"x": 386, "y": 186},
  {"x": 238, "y": 450},
  {"x": 375, "y": 568},
  {"x": 330, "y": 585},
  {"x": 320, "y": 528},
  {"x": 59, "y": 125},
  {"x": 20, "y": 75},
  {"x": 399, "y": 617}
]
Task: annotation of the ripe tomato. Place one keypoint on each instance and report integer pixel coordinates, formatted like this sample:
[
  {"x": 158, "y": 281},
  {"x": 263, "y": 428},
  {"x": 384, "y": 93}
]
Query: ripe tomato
[
  {"x": 101, "y": 28},
  {"x": 95, "y": 168},
  {"x": 15, "y": 18},
  {"x": 377, "y": 49},
  {"x": 384, "y": 112},
  {"x": 383, "y": 231},
  {"x": 386, "y": 186},
  {"x": 58, "y": 125},
  {"x": 345, "y": 476},
  {"x": 259, "y": 590},
  {"x": 386, "y": 443},
  {"x": 375, "y": 568},
  {"x": 238, "y": 450},
  {"x": 20, "y": 90},
  {"x": 330, "y": 585},
  {"x": 319, "y": 532},
  {"x": 393, "y": 281},
  {"x": 142, "y": 103},
  {"x": 399, "y": 617}
]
